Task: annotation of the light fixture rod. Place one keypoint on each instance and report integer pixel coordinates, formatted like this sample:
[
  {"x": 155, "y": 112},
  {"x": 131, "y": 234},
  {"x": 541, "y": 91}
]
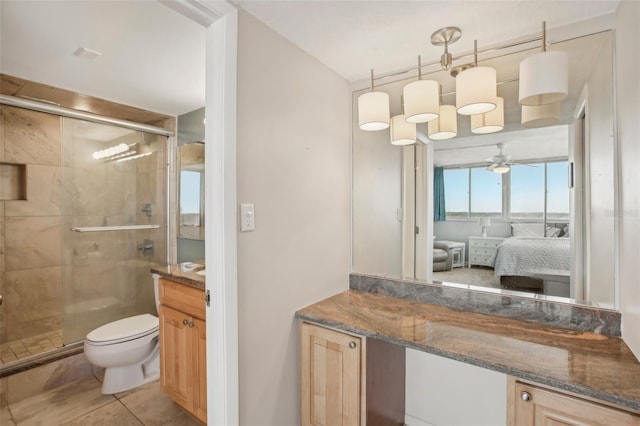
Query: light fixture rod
[
  {"x": 485, "y": 50},
  {"x": 475, "y": 53},
  {"x": 372, "y": 79},
  {"x": 419, "y": 68},
  {"x": 544, "y": 36}
]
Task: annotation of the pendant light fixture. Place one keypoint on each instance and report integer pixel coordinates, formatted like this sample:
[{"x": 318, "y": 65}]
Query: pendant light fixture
[
  {"x": 446, "y": 125},
  {"x": 544, "y": 77},
  {"x": 540, "y": 116},
  {"x": 476, "y": 91},
  {"x": 373, "y": 110},
  {"x": 402, "y": 132},
  {"x": 489, "y": 122},
  {"x": 421, "y": 99}
]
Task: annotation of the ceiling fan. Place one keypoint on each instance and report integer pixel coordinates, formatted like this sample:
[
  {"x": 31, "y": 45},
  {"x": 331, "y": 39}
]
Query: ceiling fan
[{"x": 501, "y": 163}]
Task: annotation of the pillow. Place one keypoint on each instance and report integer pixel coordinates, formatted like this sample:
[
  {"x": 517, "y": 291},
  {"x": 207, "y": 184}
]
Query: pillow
[
  {"x": 527, "y": 229},
  {"x": 553, "y": 232}
]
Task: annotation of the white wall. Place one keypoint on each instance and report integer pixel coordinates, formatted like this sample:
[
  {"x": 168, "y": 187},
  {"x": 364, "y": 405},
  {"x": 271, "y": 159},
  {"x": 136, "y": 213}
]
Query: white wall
[
  {"x": 600, "y": 258},
  {"x": 444, "y": 392},
  {"x": 293, "y": 162},
  {"x": 628, "y": 127}
]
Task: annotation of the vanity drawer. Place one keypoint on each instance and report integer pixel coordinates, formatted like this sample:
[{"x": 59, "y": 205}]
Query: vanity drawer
[{"x": 182, "y": 297}]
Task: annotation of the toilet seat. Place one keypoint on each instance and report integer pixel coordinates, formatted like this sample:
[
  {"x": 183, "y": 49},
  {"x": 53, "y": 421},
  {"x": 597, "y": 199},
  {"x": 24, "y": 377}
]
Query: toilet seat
[{"x": 123, "y": 330}]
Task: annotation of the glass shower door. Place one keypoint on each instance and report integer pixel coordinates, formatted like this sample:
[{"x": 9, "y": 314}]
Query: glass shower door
[{"x": 114, "y": 223}]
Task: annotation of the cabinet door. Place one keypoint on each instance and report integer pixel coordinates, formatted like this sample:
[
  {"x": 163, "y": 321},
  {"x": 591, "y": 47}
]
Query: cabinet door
[
  {"x": 541, "y": 407},
  {"x": 176, "y": 356},
  {"x": 330, "y": 377},
  {"x": 200, "y": 369}
]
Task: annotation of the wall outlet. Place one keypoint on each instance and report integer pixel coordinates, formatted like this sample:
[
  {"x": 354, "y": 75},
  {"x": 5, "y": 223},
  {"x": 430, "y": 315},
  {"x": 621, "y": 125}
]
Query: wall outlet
[{"x": 247, "y": 218}]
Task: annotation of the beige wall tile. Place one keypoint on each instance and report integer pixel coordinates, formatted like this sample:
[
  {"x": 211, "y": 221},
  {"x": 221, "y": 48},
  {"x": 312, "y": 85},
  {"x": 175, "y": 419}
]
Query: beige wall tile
[
  {"x": 43, "y": 193},
  {"x": 2, "y": 107},
  {"x": 35, "y": 300},
  {"x": 31, "y": 137},
  {"x": 32, "y": 242}
]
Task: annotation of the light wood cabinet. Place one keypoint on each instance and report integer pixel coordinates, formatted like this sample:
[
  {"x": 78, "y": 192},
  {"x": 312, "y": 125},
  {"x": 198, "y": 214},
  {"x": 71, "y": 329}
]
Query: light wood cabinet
[
  {"x": 183, "y": 367},
  {"x": 531, "y": 405},
  {"x": 349, "y": 380}
]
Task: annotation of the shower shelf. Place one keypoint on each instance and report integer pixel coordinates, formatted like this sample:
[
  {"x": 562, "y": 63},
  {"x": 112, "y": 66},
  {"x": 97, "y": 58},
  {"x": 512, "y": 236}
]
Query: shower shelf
[{"x": 114, "y": 228}]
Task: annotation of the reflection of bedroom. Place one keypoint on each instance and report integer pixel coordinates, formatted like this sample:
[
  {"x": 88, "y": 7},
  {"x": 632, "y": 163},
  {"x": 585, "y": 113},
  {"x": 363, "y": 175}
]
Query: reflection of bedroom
[{"x": 502, "y": 211}]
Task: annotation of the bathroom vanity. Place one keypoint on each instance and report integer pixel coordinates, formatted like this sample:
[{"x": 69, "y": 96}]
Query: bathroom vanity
[
  {"x": 353, "y": 362},
  {"x": 183, "y": 361}
]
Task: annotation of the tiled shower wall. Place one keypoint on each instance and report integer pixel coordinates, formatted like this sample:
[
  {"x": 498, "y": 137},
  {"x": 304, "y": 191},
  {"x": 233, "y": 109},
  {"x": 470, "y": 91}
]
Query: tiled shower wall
[
  {"x": 31, "y": 250},
  {"x": 49, "y": 274}
]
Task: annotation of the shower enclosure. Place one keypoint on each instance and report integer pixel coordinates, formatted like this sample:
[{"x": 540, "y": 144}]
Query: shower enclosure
[{"x": 83, "y": 218}]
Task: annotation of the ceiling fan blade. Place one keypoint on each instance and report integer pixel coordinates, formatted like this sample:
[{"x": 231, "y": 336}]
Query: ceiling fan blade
[{"x": 492, "y": 166}]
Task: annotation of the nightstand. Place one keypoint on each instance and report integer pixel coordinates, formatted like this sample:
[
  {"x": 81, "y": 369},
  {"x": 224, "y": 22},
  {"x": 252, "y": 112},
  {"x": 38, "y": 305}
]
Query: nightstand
[
  {"x": 483, "y": 250},
  {"x": 457, "y": 250}
]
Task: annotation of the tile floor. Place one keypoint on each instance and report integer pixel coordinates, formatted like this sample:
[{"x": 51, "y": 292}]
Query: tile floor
[
  {"x": 81, "y": 404},
  {"x": 18, "y": 349}
]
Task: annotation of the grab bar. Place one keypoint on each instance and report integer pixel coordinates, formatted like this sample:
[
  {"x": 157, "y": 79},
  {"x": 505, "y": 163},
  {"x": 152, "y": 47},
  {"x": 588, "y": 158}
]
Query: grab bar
[{"x": 114, "y": 228}]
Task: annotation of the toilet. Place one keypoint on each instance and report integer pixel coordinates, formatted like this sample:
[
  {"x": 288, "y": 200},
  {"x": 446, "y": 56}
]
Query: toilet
[{"x": 128, "y": 350}]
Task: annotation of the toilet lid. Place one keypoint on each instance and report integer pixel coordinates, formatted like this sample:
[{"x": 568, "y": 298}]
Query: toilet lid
[{"x": 124, "y": 329}]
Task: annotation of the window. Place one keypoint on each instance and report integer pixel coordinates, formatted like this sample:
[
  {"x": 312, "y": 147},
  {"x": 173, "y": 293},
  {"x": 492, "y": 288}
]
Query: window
[
  {"x": 532, "y": 192},
  {"x": 472, "y": 192},
  {"x": 558, "y": 191},
  {"x": 486, "y": 193},
  {"x": 527, "y": 191},
  {"x": 456, "y": 193},
  {"x": 539, "y": 191}
]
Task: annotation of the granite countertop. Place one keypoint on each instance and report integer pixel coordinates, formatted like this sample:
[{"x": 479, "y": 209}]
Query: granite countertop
[
  {"x": 175, "y": 273},
  {"x": 586, "y": 363}
]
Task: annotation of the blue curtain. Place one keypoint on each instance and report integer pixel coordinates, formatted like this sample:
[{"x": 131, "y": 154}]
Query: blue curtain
[{"x": 439, "y": 211}]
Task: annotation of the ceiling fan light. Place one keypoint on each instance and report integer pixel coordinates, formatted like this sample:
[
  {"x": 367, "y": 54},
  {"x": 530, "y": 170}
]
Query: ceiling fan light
[
  {"x": 402, "y": 132},
  {"x": 445, "y": 126},
  {"x": 500, "y": 168},
  {"x": 421, "y": 101},
  {"x": 544, "y": 78},
  {"x": 489, "y": 122},
  {"x": 476, "y": 90},
  {"x": 373, "y": 111},
  {"x": 540, "y": 116}
]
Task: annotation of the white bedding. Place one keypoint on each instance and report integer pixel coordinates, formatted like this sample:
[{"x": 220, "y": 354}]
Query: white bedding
[{"x": 527, "y": 256}]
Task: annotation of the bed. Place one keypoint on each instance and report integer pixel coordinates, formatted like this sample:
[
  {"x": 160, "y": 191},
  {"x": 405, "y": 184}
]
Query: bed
[{"x": 521, "y": 262}]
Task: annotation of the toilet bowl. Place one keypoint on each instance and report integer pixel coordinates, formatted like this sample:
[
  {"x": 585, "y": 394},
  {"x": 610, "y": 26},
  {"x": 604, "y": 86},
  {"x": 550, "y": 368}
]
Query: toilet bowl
[{"x": 128, "y": 350}]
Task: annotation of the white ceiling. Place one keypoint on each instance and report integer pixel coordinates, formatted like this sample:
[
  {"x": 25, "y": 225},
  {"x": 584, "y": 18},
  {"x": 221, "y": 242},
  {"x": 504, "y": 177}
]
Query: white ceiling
[{"x": 153, "y": 57}]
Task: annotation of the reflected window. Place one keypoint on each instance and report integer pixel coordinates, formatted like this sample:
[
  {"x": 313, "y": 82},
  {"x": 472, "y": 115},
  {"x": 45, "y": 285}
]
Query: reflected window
[
  {"x": 190, "y": 197},
  {"x": 486, "y": 193},
  {"x": 539, "y": 191},
  {"x": 456, "y": 193}
]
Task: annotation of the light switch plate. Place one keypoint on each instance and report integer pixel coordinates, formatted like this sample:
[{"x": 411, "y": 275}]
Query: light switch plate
[{"x": 247, "y": 218}]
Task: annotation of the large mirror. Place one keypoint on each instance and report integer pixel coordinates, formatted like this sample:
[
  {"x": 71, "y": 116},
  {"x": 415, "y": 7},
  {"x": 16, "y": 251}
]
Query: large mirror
[{"x": 526, "y": 209}]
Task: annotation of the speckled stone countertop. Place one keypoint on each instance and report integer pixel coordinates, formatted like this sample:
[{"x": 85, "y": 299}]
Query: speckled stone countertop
[
  {"x": 586, "y": 363},
  {"x": 175, "y": 273}
]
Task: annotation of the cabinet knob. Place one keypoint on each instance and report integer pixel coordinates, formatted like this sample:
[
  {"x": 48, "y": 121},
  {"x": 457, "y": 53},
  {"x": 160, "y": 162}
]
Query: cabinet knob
[
  {"x": 352, "y": 344},
  {"x": 185, "y": 322},
  {"x": 191, "y": 324},
  {"x": 525, "y": 396}
]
